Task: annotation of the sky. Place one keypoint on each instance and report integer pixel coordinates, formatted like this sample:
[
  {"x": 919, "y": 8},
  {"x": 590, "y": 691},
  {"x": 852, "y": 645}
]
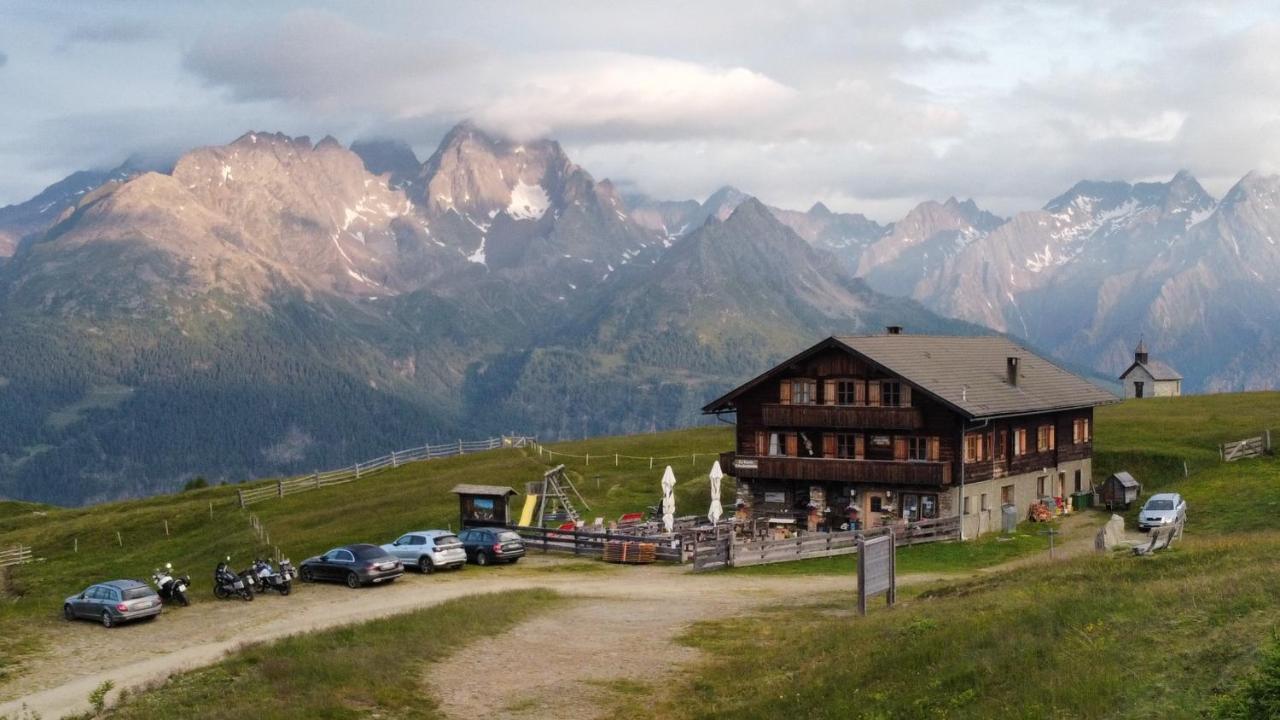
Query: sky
[{"x": 868, "y": 107}]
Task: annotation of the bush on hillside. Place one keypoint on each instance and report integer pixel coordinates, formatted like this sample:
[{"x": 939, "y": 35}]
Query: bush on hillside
[
  {"x": 1258, "y": 696},
  {"x": 195, "y": 483}
]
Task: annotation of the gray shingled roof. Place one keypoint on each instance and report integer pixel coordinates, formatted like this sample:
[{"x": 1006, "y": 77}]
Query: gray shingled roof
[
  {"x": 465, "y": 489},
  {"x": 969, "y": 373},
  {"x": 1126, "y": 479},
  {"x": 1156, "y": 369}
]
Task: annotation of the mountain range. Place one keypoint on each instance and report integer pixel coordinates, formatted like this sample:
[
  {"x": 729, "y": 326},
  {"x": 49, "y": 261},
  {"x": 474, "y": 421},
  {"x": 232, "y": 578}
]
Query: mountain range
[{"x": 276, "y": 305}]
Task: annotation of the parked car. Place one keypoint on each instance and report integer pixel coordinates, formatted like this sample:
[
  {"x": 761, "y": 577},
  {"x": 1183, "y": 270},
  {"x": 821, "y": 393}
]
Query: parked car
[
  {"x": 356, "y": 565},
  {"x": 114, "y": 602},
  {"x": 492, "y": 545},
  {"x": 1162, "y": 509},
  {"x": 429, "y": 550}
]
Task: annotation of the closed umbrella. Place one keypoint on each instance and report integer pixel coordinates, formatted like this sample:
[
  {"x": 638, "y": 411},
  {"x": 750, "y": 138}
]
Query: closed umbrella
[
  {"x": 669, "y": 499},
  {"x": 716, "y": 510}
]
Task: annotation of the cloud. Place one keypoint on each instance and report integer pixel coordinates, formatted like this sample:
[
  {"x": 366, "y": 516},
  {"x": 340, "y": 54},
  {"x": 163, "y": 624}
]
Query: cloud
[
  {"x": 116, "y": 30},
  {"x": 3, "y": 59}
]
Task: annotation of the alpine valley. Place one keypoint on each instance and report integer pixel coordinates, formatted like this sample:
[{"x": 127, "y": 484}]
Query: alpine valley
[{"x": 276, "y": 305}]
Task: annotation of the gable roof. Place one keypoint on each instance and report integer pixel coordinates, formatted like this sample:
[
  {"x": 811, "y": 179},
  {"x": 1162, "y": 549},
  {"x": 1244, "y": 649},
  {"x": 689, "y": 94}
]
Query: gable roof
[
  {"x": 1156, "y": 369},
  {"x": 1125, "y": 479},
  {"x": 466, "y": 489},
  {"x": 966, "y": 373}
]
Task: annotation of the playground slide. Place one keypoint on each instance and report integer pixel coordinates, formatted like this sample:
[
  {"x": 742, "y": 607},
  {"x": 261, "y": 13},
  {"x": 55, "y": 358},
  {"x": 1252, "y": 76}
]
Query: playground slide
[{"x": 526, "y": 515}]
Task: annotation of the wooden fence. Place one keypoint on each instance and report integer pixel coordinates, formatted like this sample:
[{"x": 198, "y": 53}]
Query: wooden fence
[
  {"x": 728, "y": 552},
  {"x": 396, "y": 458},
  {"x": 592, "y": 544},
  {"x": 16, "y": 555},
  {"x": 1247, "y": 448}
]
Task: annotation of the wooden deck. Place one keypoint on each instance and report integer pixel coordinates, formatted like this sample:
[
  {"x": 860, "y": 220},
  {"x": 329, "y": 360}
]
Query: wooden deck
[
  {"x": 853, "y": 417},
  {"x": 889, "y": 472}
]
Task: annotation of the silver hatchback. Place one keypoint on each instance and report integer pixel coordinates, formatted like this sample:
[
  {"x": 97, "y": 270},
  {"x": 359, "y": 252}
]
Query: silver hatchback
[
  {"x": 429, "y": 550},
  {"x": 113, "y": 602}
]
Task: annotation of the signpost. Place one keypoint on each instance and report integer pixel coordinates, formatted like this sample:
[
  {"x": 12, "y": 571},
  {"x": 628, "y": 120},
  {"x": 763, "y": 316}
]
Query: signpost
[{"x": 877, "y": 569}]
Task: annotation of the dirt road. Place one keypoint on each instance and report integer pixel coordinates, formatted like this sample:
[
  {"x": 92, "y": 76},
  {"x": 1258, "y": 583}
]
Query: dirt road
[
  {"x": 84, "y": 655},
  {"x": 614, "y": 613}
]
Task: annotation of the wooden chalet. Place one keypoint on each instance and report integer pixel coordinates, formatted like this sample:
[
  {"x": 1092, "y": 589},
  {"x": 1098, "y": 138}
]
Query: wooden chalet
[{"x": 890, "y": 428}]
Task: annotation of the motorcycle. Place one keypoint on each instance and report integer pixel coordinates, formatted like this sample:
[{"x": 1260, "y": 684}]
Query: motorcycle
[
  {"x": 227, "y": 583},
  {"x": 170, "y": 586},
  {"x": 270, "y": 579}
]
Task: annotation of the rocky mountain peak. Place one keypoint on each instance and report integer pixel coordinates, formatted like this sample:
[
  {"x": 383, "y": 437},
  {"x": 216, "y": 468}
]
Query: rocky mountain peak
[{"x": 393, "y": 157}]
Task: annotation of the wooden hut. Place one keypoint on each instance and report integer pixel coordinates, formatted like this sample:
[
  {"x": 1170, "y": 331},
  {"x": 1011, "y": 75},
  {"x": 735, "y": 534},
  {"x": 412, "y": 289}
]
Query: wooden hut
[
  {"x": 1120, "y": 491},
  {"x": 483, "y": 505}
]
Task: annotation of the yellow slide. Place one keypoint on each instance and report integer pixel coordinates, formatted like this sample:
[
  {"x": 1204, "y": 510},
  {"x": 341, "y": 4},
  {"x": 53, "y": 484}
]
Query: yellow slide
[{"x": 526, "y": 515}]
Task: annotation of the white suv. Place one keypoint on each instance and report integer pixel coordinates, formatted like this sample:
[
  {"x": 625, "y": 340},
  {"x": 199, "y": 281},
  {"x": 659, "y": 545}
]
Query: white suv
[{"x": 429, "y": 550}]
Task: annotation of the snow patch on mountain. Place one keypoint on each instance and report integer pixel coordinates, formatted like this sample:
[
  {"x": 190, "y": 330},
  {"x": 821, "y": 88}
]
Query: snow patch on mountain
[
  {"x": 528, "y": 202},
  {"x": 478, "y": 256}
]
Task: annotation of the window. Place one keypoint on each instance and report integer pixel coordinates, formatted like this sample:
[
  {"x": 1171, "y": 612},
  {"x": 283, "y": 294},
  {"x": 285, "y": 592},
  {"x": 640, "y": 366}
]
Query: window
[
  {"x": 1006, "y": 495},
  {"x": 966, "y": 504},
  {"x": 804, "y": 392},
  {"x": 1020, "y": 442},
  {"x": 911, "y": 506},
  {"x": 1080, "y": 430},
  {"x": 973, "y": 447},
  {"x": 1040, "y": 486},
  {"x": 777, "y": 444},
  {"x": 1044, "y": 438},
  {"x": 985, "y": 505},
  {"x": 1078, "y": 482},
  {"x": 846, "y": 445},
  {"x": 877, "y": 504},
  {"x": 928, "y": 507},
  {"x": 917, "y": 448},
  {"x": 890, "y": 394},
  {"x": 847, "y": 392},
  {"x": 805, "y": 446},
  {"x": 1001, "y": 451}
]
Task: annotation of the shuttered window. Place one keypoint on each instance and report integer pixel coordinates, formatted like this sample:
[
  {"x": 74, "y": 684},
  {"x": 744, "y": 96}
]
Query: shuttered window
[
  {"x": 973, "y": 447},
  {"x": 873, "y": 394},
  {"x": 1044, "y": 438},
  {"x": 859, "y": 446},
  {"x": 784, "y": 392},
  {"x": 792, "y": 444},
  {"x": 850, "y": 392},
  {"x": 829, "y": 392},
  {"x": 1080, "y": 430},
  {"x": 918, "y": 448},
  {"x": 762, "y": 443},
  {"x": 935, "y": 449},
  {"x": 890, "y": 394},
  {"x": 1020, "y": 441},
  {"x": 828, "y": 445},
  {"x": 900, "y": 448},
  {"x": 847, "y": 445},
  {"x": 1001, "y": 449}
]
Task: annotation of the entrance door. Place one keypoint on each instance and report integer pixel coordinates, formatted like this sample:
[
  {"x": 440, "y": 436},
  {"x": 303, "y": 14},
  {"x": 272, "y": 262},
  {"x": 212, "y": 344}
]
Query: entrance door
[{"x": 1137, "y": 388}]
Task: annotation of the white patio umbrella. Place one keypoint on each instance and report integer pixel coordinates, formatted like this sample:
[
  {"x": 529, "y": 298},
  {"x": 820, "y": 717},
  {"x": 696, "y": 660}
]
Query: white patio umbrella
[
  {"x": 669, "y": 499},
  {"x": 716, "y": 510}
]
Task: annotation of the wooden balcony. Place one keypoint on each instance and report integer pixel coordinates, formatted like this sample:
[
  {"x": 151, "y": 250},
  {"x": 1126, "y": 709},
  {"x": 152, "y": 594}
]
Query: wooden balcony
[
  {"x": 854, "y": 417},
  {"x": 889, "y": 472}
]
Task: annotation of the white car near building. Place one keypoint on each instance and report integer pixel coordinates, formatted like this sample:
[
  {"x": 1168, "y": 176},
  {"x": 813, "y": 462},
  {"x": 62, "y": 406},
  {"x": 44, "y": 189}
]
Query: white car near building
[
  {"x": 1162, "y": 509},
  {"x": 429, "y": 550}
]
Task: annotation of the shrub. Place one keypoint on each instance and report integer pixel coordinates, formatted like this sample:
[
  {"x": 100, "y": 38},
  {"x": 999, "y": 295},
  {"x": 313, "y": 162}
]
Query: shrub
[{"x": 1258, "y": 696}]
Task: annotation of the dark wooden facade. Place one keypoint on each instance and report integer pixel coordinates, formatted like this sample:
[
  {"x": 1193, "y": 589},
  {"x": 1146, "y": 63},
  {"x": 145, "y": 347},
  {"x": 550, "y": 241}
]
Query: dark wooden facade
[{"x": 832, "y": 428}]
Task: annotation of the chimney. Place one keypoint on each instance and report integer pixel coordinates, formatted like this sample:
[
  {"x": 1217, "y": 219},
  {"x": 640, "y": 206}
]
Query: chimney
[
  {"x": 1011, "y": 370},
  {"x": 893, "y": 329}
]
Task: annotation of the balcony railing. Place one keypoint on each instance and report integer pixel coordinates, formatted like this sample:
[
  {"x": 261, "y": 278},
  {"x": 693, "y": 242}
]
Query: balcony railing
[
  {"x": 889, "y": 472},
  {"x": 857, "y": 417}
]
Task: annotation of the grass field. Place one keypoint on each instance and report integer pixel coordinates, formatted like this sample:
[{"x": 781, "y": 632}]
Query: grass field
[
  {"x": 1095, "y": 637},
  {"x": 373, "y": 669},
  {"x": 79, "y": 546}
]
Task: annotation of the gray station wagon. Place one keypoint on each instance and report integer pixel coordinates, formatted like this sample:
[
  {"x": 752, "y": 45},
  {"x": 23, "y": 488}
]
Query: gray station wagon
[{"x": 113, "y": 602}]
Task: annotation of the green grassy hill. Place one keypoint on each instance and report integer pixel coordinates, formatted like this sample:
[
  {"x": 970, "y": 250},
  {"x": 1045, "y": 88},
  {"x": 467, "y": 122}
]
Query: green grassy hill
[
  {"x": 1112, "y": 636},
  {"x": 79, "y": 546},
  {"x": 1094, "y": 637}
]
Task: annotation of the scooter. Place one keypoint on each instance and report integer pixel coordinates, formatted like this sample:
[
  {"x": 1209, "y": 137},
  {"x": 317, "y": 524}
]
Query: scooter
[
  {"x": 171, "y": 587},
  {"x": 226, "y": 583},
  {"x": 270, "y": 579}
]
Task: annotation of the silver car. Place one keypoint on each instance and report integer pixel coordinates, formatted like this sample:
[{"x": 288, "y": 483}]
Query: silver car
[
  {"x": 429, "y": 550},
  {"x": 114, "y": 602},
  {"x": 1162, "y": 509}
]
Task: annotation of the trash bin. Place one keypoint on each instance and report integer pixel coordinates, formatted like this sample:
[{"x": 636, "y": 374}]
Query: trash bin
[
  {"x": 1008, "y": 518},
  {"x": 1078, "y": 501}
]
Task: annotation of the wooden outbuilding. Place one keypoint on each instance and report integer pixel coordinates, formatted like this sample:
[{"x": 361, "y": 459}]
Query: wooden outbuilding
[
  {"x": 1120, "y": 491},
  {"x": 483, "y": 505}
]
